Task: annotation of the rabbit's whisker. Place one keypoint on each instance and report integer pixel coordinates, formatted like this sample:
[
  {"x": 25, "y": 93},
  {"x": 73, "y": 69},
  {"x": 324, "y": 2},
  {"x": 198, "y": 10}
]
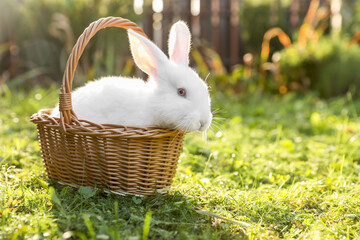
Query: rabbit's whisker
[
  {"x": 204, "y": 135},
  {"x": 177, "y": 127},
  {"x": 219, "y": 118},
  {"x": 217, "y": 126},
  {"x": 205, "y": 80},
  {"x": 218, "y": 110}
]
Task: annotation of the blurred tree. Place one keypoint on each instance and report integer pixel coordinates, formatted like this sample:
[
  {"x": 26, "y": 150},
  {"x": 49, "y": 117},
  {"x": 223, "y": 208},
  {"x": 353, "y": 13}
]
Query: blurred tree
[{"x": 37, "y": 37}]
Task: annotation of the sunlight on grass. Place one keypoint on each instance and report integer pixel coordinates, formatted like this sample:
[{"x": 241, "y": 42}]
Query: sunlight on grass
[{"x": 272, "y": 167}]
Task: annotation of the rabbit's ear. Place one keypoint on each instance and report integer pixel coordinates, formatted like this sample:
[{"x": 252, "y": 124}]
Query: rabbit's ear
[
  {"x": 179, "y": 43},
  {"x": 148, "y": 57}
]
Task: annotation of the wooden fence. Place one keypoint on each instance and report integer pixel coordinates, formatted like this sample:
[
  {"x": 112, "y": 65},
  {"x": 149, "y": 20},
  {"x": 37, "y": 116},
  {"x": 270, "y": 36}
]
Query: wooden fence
[{"x": 216, "y": 22}]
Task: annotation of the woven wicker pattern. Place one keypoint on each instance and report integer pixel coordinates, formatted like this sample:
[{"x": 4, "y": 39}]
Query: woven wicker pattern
[{"x": 120, "y": 159}]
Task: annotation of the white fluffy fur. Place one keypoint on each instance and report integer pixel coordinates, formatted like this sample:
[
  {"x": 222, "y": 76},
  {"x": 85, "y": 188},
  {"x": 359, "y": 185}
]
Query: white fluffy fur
[{"x": 134, "y": 102}]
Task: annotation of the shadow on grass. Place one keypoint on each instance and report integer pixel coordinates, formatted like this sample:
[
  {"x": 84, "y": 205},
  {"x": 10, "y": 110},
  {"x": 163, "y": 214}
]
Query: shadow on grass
[{"x": 90, "y": 213}]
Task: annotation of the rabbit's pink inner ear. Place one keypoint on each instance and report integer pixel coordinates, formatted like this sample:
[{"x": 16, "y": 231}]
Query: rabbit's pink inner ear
[
  {"x": 179, "y": 57},
  {"x": 148, "y": 57},
  {"x": 179, "y": 43},
  {"x": 141, "y": 55}
]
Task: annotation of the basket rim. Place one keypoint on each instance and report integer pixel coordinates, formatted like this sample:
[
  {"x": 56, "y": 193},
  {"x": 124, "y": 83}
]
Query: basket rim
[{"x": 85, "y": 127}]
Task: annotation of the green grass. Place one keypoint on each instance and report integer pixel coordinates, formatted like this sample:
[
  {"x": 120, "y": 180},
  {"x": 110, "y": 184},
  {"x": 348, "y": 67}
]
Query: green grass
[{"x": 288, "y": 167}]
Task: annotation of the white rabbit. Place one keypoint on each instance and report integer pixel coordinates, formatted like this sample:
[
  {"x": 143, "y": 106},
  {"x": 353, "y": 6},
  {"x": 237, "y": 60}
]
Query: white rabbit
[{"x": 174, "y": 96}]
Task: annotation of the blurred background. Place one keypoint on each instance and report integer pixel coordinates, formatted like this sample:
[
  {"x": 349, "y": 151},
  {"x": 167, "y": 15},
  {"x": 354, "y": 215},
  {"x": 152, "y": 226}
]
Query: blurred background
[{"x": 277, "y": 46}]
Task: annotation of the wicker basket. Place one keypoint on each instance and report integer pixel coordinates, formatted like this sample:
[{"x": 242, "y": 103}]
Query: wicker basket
[{"x": 120, "y": 159}]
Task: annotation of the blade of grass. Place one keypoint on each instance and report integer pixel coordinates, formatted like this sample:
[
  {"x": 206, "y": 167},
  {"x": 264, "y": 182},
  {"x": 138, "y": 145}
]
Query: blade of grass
[
  {"x": 203, "y": 212},
  {"x": 146, "y": 228},
  {"x": 88, "y": 224}
]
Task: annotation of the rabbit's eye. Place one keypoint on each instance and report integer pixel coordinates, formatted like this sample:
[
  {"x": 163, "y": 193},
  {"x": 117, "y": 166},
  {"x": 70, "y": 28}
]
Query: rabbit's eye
[{"x": 181, "y": 92}]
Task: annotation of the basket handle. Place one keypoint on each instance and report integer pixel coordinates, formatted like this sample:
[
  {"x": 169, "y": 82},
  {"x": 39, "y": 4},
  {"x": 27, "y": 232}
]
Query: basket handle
[{"x": 67, "y": 114}]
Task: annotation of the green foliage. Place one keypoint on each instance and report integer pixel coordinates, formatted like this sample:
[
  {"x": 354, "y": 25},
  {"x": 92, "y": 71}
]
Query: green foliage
[
  {"x": 330, "y": 67},
  {"x": 350, "y": 12},
  {"x": 323, "y": 63},
  {"x": 242, "y": 79},
  {"x": 256, "y": 17},
  {"x": 38, "y": 35},
  {"x": 287, "y": 166}
]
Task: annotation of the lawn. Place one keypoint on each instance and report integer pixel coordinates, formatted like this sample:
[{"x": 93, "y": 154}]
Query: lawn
[{"x": 271, "y": 167}]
